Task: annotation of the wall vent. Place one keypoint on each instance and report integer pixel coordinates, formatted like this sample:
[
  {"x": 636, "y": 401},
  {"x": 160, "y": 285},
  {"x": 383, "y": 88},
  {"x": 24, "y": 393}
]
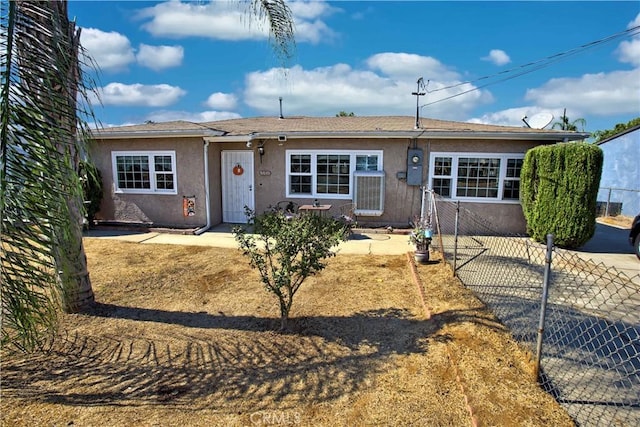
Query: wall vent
[{"x": 368, "y": 193}]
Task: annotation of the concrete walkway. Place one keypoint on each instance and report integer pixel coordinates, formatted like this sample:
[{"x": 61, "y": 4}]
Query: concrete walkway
[
  {"x": 610, "y": 246},
  {"x": 361, "y": 242}
]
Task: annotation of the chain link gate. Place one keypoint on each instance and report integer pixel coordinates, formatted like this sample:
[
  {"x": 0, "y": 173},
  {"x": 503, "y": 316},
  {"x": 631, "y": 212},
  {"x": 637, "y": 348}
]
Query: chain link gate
[{"x": 587, "y": 337}]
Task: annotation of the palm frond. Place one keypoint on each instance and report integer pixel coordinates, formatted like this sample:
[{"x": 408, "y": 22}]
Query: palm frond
[{"x": 281, "y": 25}]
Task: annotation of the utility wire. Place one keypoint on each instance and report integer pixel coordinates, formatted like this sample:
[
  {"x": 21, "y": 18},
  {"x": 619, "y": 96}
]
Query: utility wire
[{"x": 531, "y": 66}]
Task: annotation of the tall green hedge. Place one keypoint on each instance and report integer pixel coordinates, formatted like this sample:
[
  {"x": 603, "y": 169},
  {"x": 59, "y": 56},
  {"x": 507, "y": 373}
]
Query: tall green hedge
[{"x": 558, "y": 190}]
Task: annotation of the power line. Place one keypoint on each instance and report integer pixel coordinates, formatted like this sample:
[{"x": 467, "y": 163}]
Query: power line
[{"x": 532, "y": 66}]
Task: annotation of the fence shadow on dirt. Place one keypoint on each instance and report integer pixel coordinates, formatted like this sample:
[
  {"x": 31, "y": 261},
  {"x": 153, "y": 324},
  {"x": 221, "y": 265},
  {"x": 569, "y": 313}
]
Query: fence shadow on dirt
[{"x": 591, "y": 340}]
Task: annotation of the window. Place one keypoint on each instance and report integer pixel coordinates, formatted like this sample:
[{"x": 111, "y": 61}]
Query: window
[
  {"x": 367, "y": 162},
  {"x": 300, "y": 174},
  {"x": 478, "y": 177},
  {"x": 441, "y": 172},
  {"x": 333, "y": 173},
  {"x": 327, "y": 173},
  {"x": 144, "y": 172},
  {"x": 468, "y": 176},
  {"x": 511, "y": 189}
]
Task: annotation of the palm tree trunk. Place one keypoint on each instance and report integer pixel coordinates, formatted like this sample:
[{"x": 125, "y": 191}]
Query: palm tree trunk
[
  {"x": 78, "y": 293},
  {"x": 59, "y": 96}
]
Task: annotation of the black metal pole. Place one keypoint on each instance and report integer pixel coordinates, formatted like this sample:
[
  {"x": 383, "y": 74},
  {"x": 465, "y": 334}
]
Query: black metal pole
[
  {"x": 418, "y": 94},
  {"x": 543, "y": 304},
  {"x": 455, "y": 239}
]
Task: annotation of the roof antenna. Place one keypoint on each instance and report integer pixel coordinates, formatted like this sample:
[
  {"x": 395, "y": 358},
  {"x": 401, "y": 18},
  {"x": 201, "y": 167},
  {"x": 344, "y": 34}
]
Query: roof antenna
[
  {"x": 281, "y": 116},
  {"x": 418, "y": 94}
]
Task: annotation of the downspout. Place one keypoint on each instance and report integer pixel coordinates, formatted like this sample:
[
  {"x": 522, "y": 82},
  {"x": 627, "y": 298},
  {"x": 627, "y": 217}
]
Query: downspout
[{"x": 207, "y": 196}]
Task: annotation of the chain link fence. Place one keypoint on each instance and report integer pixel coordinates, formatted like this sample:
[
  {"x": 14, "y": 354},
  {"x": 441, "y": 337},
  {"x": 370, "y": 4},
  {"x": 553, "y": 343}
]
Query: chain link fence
[
  {"x": 617, "y": 201},
  {"x": 585, "y": 334}
]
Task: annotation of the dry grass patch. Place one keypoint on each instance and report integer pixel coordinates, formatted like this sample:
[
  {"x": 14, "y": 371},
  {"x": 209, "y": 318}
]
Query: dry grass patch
[
  {"x": 621, "y": 221},
  {"x": 187, "y": 336}
]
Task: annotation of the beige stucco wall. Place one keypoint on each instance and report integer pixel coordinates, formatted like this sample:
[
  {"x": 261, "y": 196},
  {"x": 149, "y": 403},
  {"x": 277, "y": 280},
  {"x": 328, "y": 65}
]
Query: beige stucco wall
[
  {"x": 402, "y": 202},
  {"x": 504, "y": 217},
  {"x": 271, "y": 179},
  {"x": 156, "y": 209}
]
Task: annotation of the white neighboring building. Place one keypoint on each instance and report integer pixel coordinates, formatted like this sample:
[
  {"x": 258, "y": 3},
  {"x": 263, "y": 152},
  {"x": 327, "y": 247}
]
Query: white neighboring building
[{"x": 620, "y": 182}]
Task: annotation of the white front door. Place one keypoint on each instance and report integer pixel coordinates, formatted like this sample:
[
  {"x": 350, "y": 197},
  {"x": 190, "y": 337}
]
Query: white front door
[{"x": 237, "y": 185}]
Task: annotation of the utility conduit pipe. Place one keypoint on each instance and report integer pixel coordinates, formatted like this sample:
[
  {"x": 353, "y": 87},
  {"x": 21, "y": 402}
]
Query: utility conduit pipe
[{"x": 207, "y": 197}]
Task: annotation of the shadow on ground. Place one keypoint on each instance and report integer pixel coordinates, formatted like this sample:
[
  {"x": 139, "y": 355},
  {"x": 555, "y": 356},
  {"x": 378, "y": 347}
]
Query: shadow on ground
[
  {"x": 216, "y": 361},
  {"x": 608, "y": 240}
]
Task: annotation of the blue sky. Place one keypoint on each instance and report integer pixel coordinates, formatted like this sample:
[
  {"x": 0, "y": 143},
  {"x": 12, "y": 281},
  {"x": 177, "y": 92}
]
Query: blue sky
[{"x": 203, "y": 61}]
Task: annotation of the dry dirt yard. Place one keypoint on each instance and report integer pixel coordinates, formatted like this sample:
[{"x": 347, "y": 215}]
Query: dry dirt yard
[{"x": 187, "y": 336}]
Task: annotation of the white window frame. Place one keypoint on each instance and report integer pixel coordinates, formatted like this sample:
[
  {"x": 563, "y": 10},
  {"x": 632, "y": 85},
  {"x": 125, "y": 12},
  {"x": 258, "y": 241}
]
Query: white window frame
[
  {"x": 152, "y": 173},
  {"x": 509, "y": 178},
  {"x": 314, "y": 156},
  {"x": 455, "y": 156}
]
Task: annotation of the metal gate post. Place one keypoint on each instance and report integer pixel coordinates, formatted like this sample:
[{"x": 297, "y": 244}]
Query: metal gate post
[
  {"x": 455, "y": 239},
  {"x": 543, "y": 304}
]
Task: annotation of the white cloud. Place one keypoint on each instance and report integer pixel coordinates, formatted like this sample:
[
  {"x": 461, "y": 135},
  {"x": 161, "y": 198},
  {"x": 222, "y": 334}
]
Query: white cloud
[
  {"x": 218, "y": 20},
  {"x": 599, "y": 94},
  {"x": 159, "y": 57},
  {"x": 384, "y": 89},
  {"x": 310, "y": 10},
  {"x": 362, "y": 14},
  {"x": 231, "y": 21},
  {"x": 497, "y": 57},
  {"x": 110, "y": 50},
  {"x": 313, "y": 31},
  {"x": 138, "y": 94},
  {"x": 204, "y": 116},
  {"x": 629, "y": 50},
  {"x": 588, "y": 96},
  {"x": 308, "y": 25},
  {"x": 408, "y": 65},
  {"x": 223, "y": 101},
  {"x": 514, "y": 116}
]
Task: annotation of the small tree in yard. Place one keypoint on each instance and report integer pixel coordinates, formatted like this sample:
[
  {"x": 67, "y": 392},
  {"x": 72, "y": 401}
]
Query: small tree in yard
[{"x": 288, "y": 250}]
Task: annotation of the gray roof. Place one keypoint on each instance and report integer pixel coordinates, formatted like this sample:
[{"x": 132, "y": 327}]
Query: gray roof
[
  {"x": 403, "y": 126},
  {"x": 178, "y": 127}
]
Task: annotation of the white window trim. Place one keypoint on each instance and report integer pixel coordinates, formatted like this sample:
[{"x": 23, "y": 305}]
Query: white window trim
[
  {"x": 152, "y": 172},
  {"x": 454, "y": 174},
  {"x": 314, "y": 154}
]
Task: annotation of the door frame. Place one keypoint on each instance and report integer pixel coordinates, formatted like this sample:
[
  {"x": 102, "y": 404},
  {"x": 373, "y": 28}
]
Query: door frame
[{"x": 225, "y": 171}]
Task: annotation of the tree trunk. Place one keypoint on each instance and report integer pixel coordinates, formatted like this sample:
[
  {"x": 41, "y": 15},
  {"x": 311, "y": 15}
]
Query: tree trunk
[
  {"x": 57, "y": 91},
  {"x": 78, "y": 293},
  {"x": 285, "y": 308}
]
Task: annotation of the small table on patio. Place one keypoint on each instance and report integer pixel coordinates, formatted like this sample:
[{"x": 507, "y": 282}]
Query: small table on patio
[{"x": 320, "y": 209}]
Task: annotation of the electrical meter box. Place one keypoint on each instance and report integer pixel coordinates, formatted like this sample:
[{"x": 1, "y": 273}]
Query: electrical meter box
[{"x": 415, "y": 158}]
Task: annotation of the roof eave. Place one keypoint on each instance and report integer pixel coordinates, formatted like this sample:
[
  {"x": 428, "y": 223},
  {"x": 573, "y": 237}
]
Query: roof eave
[
  {"x": 417, "y": 134},
  {"x": 106, "y": 134}
]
